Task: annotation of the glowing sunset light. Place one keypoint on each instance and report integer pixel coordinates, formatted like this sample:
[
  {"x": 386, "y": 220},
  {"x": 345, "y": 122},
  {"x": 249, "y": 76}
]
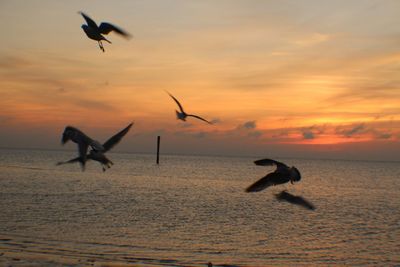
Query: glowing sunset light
[{"x": 270, "y": 75}]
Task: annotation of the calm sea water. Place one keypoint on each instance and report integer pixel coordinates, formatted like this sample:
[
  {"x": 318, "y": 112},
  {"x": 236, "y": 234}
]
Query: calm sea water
[{"x": 190, "y": 210}]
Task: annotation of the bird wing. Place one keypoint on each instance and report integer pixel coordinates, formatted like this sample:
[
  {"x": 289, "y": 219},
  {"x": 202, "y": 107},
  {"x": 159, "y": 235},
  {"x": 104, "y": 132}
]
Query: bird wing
[
  {"x": 271, "y": 162},
  {"x": 89, "y": 21},
  {"x": 297, "y": 200},
  {"x": 177, "y": 102},
  {"x": 77, "y": 159},
  {"x": 110, "y": 143},
  {"x": 273, "y": 178},
  {"x": 200, "y": 118},
  {"x": 106, "y": 28}
]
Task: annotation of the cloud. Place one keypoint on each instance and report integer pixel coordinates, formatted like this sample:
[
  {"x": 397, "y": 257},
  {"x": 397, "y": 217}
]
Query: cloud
[
  {"x": 311, "y": 132},
  {"x": 13, "y": 62},
  {"x": 249, "y": 128},
  {"x": 185, "y": 125},
  {"x": 280, "y": 133},
  {"x": 200, "y": 134},
  {"x": 384, "y": 136},
  {"x": 255, "y": 134},
  {"x": 355, "y": 91},
  {"x": 313, "y": 39},
  {"x": 249, "y": 125},
  {"x": 308, "y": 135},
  {"x": 191, "y": 134},
  {"x": 92, "y": 104},
  {"x": 352, "y": 131},
  {"x": 215, "y": 121}
]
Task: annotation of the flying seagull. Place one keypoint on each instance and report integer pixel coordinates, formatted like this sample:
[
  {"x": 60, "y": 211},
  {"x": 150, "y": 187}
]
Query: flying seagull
[
  {"x": 98, "y": 155},
  {"x": 182, "y": 114},
  {"x": 297, "y": 200},
  {"x": 83, "y": 141},
  {"x": 281, "y": 175},
  {"x": 96, "y": 32}
]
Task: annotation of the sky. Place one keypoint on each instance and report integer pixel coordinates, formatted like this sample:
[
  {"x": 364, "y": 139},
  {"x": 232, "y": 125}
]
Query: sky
[{"x": 305, "y": 79}]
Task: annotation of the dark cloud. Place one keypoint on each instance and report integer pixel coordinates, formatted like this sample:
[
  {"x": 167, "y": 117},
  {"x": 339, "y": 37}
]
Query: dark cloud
[
  {"x": 381, "y": 135},
  {"x": 249, "y": 125},
  {"x": 308, "y": 135},
  {"x": 249, "y": 128},
  {"x": 311, "y": 132},
  {"x": 351, "y": 131}
]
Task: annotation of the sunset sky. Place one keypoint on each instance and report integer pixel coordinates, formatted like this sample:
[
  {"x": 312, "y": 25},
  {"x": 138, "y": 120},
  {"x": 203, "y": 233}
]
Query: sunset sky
[{"x": 308, "y": 78}]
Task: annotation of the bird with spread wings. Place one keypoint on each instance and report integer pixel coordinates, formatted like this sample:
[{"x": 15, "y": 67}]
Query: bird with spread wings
[
  {"x": 98, "y": 155},
  {"x": 95, "y": 32},
  {"x": 182, "y": 115}
]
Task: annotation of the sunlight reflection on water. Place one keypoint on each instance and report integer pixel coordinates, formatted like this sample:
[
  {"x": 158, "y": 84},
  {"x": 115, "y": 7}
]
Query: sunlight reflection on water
[{"x": 194, "y": 209}]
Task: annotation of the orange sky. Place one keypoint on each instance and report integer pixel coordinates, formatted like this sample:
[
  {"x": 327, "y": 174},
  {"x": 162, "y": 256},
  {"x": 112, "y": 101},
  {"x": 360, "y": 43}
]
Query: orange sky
[{"x": 279, "y": 78}]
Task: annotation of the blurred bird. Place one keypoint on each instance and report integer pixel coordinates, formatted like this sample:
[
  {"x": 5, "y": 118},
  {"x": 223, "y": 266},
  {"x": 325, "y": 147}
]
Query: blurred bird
[
  {"x": 281, "y": 175},
  {"x": 95, "y": 32},
  {"x": 98, "y": 155},
  {"x": 182, "y": 114},
  {"x": 83, "y": 141},
  {"x": 297, "y": 200}
]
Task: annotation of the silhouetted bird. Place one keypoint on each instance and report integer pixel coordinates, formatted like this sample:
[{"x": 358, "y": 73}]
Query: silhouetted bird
[
  {"x": 281, "y": 175},
  {"x": 83, "y": 141},
  {"x": 297, "y": 200},
  {"x": 98, "y": 155},
  {"x": 182, "y": 115},
  {"x": 95, "y": 32}
]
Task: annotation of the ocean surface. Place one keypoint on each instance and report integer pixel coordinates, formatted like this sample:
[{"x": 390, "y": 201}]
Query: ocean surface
[{"x": 191, "y": 210}]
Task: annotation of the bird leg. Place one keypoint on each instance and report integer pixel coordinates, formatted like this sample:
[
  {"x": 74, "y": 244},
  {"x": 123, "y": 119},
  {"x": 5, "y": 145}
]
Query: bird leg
[
  {"x": 107, "y": 165},
  {"x": 101, "y": 46}
]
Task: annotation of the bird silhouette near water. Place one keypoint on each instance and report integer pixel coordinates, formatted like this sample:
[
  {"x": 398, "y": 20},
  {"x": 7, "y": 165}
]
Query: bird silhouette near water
[
  {"x": 98, "y": 155},
  {"x": 95, "y": 32},
  {"x": 281, "y": 175},
  {"x": 82, "y": 140},
  {"x": 182, "y": 115}
]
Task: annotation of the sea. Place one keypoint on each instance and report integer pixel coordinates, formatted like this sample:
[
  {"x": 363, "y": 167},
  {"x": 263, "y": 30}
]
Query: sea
[{"x": 194, "y": 211}]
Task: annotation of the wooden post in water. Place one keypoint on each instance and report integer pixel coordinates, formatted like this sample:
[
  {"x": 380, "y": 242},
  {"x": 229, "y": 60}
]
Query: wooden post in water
[{"x": 158, "y": 149}]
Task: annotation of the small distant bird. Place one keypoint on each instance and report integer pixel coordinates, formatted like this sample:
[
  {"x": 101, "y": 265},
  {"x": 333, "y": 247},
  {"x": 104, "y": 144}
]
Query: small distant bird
[
  {"x": 98, "y": 155},
  {"x": 297, "y": 200},
  {"x": 83, "y": 141},
  {"x": 182, "y": 114},
  {"x": 95, "y": 32},
  {"x": 281, "y": 175}
]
